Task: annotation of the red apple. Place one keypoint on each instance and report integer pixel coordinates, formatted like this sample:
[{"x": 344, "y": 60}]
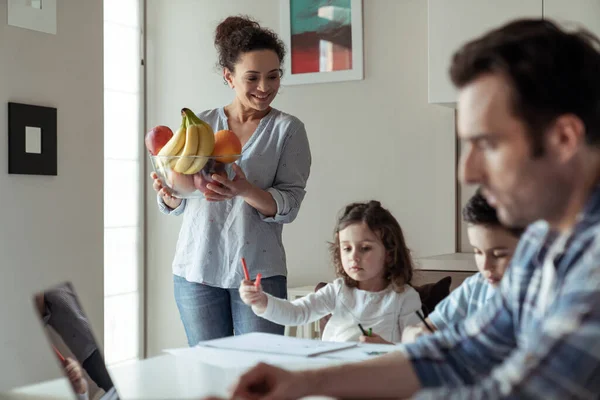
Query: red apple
[
  {"x": 157, "y": 138},
  {"x": 204, "y": 177}
]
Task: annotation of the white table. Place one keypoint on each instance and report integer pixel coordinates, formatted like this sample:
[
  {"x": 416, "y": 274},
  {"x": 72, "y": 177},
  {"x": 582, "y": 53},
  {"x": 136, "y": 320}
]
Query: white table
[
  {"x": 194, "y": 373},
  {"x": 162, "y": 377},
  {"x": 168, "y": 377}
]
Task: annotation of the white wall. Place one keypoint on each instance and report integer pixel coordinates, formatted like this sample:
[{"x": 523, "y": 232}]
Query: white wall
[
  {"x": 51, "y": 227},
  {"x": 377, "y": 138}
]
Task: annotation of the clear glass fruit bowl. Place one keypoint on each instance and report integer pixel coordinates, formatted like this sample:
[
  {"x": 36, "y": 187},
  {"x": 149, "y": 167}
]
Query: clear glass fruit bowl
[{"x": 187, "y": 176}]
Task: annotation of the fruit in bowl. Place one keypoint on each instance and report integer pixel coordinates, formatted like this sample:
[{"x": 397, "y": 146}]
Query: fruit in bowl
[
  {"x": 204, "y": 177},
  {"x": 187, "y": 186},
  {"x": 157, "y": 138},
  {"x": 180, "y": 183},
  {"x": 226, "y": 145},
  {"x": 186, "y": 161}
]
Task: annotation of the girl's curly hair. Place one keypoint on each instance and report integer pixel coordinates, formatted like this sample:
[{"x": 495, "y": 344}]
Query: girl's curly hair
[{"x": 399, "y": 267}]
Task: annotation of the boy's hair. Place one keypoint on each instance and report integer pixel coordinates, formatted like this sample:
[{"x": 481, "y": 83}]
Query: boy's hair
[
  {"x": 477, "y": 211},
  {"x": 399, "y": 269}
]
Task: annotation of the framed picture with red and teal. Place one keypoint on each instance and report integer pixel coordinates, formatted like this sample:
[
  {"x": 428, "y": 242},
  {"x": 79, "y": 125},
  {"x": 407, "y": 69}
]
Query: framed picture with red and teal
[{"x": 324, "y": 40}]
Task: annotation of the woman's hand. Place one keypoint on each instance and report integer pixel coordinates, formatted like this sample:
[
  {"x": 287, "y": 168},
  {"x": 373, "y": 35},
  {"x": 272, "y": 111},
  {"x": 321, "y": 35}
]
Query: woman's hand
[
  {"x": 228, "y": 189},
  {"x": 253, "y": 296},
  {"x": 164, "y": 192},
  {"x": 374, "y": 338}
]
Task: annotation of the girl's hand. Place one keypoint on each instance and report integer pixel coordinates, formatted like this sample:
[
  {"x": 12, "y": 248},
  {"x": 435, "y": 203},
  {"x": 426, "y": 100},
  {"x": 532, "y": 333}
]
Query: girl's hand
[
  {"x": 374, "y": 338},
  {"x": 164, "y": 192},
  {"x": 228, "y": 189},
  {"x": 253, "y": 296}
]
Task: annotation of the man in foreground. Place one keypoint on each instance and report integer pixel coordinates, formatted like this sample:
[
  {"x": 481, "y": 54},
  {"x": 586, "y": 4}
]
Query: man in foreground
[{"x": 529, "y": 115}]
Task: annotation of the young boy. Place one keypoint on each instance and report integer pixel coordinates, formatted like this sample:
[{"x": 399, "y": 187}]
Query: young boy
[{"x": 494, "y": 246}]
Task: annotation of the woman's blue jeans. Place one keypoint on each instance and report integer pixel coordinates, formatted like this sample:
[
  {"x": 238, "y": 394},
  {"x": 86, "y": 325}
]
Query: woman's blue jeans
[{"x": 209, "y": 312}]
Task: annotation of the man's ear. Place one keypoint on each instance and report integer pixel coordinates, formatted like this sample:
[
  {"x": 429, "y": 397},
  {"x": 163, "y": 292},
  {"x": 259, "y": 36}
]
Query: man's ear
[
  {"x": 565, "y": 137},
  {"x": 228, "y": 76}
]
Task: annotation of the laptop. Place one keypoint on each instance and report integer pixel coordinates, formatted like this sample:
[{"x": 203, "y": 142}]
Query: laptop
[{"x": 72, "y": 341}]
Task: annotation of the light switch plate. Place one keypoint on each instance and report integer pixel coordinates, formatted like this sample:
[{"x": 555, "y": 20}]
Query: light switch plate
[{"x": 33, "y": 140}]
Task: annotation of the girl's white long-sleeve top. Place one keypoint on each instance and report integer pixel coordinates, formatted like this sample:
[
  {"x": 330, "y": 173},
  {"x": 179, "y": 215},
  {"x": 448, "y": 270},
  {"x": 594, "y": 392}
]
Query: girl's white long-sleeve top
[{"x": 386, "y": 312}]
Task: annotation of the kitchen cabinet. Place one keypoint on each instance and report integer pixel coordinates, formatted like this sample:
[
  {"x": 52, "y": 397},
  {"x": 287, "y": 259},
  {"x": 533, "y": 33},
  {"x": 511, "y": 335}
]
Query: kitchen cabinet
[
  {"x": 451, "y": 23},
  {"x": 574, "y": 13}
]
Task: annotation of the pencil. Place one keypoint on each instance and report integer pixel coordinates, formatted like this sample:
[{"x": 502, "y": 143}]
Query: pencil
[
  {"x": 365, "y": 333},
  {"x": 245, "y": 267},
  {"x": 258, "y": 278},
  {"x": 424, "y": 321},
  {"x": 60, "y": 356}
]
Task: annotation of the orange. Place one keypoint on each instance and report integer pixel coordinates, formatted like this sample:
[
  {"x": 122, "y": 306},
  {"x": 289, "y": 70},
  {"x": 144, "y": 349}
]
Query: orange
[{"x": 227, "y": 144}]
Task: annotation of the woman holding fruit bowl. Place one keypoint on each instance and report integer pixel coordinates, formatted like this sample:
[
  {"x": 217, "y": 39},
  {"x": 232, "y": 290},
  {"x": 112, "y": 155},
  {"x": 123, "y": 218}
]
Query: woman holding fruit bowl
[{"x": 244, "y": 216}]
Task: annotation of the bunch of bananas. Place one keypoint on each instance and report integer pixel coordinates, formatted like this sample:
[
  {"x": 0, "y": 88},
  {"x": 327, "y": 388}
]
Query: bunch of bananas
[{"x": 192, "y": 143}]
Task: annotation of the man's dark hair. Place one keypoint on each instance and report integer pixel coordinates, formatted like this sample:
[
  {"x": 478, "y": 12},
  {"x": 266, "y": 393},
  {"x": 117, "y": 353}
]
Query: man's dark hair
[
  {"x": 477, "y": 211},
  {"x": 552, "y": 72}
]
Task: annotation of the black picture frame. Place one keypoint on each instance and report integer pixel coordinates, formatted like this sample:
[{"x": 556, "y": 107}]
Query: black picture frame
[{"x": 20, "y": 161}]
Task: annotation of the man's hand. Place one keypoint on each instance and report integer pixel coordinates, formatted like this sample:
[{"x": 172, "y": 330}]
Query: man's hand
[
  {"x": 75, "y": 375},
  {"x": 375, "y": 378},
  {"x": 271, "y": 383}
]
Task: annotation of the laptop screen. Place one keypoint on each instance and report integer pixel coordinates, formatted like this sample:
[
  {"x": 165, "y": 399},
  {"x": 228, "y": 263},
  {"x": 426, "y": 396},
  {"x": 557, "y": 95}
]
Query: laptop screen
[{"x": 71, "y": 339}]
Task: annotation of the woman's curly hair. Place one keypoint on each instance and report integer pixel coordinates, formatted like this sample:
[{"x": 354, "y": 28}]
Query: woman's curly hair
[
  {"x": 399, "y": 264},
  {"x": 237, "y": 35}
]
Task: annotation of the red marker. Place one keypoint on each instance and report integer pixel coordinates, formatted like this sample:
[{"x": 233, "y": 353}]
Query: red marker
[
  {"x": 60, "y": 356},
  {"x": 246, "y": 274},
  {"x": 258, "y": 278}
]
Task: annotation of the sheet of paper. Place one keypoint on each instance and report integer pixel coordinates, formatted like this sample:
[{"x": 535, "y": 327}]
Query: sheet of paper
[
  {"x": 238, "y": 359},
  {"x": 276, "y": 344},
  {"x": 363, "y": 351}
]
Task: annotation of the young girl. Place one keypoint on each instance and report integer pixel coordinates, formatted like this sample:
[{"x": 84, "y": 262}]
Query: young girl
[{"x": 374, "y": 270}]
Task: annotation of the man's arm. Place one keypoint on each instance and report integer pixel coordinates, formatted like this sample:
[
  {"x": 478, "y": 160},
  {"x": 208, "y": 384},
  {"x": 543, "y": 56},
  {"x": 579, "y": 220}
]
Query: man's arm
[
  {"x": 557, "y": 358},
  {"x": 389, "y": 376},
  {"x": 378, "y": 378}
]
